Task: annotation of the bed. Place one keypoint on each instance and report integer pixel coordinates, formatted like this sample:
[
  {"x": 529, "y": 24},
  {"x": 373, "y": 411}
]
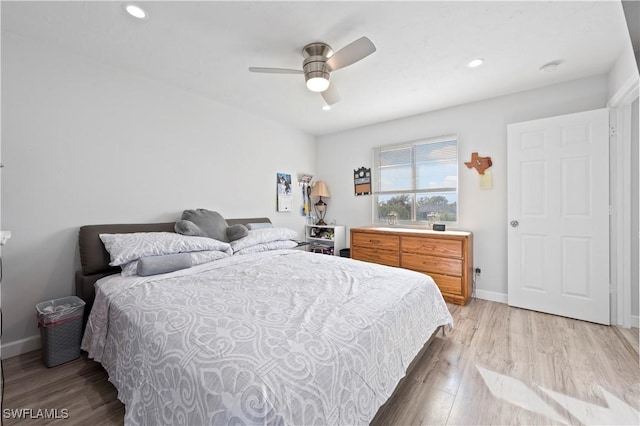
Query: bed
[{"x": 275, "y": 337}]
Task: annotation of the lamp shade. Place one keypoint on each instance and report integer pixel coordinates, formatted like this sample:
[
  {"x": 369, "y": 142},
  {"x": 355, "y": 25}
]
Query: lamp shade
[{"x": 320, "y": 190}]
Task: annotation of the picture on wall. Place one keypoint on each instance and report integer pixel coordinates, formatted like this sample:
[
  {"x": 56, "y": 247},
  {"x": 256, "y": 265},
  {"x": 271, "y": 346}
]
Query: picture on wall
[
  {"x": 283, "y": 191},
  {"x": 362, "y": 181}
]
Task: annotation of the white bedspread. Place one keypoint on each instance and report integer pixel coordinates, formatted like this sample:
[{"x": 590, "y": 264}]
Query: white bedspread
[{"x": 280, "y": 337}]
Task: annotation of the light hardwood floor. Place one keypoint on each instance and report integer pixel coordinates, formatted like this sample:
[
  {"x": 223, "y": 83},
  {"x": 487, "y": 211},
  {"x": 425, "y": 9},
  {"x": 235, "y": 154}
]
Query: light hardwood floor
[{"x": 542, "y": 369}]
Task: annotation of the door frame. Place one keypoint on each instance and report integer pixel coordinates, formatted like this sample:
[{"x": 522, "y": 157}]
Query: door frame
[{"x": 620, "y": 205}]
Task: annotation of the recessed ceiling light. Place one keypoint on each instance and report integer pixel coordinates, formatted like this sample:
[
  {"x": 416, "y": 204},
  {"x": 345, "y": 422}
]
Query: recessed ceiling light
[
  {"x": 326, "y": 107},
  {"x": 136, "y": 11},
  {"x": 475, "y": 62}
]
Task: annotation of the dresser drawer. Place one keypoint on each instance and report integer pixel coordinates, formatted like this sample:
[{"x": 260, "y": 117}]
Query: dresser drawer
[
  {"x": 448, "y": 284},
  {"x": 432, "y": 246},
  {"x": 386, "y": 242},
  {"x": 383, "y": 257},
  {"x": 432, "y": 264}
]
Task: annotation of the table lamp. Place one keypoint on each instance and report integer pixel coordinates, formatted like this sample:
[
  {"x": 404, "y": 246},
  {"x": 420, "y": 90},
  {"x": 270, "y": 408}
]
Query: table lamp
[{"x": 320, "y": 190}]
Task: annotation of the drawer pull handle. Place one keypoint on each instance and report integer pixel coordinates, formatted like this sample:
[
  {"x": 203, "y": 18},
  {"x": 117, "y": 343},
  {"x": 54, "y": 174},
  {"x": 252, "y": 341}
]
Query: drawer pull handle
[{"x": 374, "y": 241}]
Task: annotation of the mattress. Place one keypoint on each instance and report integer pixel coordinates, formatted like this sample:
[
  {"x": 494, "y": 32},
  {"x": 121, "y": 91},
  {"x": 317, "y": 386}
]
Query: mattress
[{"x": 278, "y": 337}]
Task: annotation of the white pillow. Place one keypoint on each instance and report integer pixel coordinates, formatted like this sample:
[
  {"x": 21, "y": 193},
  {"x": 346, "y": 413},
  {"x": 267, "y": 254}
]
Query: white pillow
[
  {"x": 264, "y": 235},
  {"x": 197, "y": 257},
  {"x": 124, "y": 248},
  {"x": 273, "y": 245}
]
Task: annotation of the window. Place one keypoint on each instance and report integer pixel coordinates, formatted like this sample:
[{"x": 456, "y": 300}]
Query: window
[{"x": 418, "y": 181}]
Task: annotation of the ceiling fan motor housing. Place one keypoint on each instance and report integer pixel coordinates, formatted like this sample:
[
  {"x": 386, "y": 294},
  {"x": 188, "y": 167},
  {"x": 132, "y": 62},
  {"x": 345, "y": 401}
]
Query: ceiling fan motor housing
[{"x": 315, "y": 62}]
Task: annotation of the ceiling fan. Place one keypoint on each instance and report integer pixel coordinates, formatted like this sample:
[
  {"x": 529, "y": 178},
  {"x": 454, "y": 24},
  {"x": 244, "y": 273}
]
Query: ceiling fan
[{"x": 320, "y": 61}]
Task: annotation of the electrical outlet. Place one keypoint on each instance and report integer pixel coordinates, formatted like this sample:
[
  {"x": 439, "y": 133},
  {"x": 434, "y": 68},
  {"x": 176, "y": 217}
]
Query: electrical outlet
[{"x": 478, "y": 271}]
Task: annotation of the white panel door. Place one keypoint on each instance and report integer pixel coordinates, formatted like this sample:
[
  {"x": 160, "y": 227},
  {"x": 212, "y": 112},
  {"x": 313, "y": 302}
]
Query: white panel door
[{"x": 558, "y": 212}]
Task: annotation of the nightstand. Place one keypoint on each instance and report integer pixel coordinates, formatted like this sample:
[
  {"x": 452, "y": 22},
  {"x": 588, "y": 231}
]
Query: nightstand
[{"x": 326, "y": 239}]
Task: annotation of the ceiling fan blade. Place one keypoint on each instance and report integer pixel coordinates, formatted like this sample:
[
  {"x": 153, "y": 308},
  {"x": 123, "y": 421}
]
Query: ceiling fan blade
[
  {"x": 275, "y": 70},
  {"x": 331, "y": 95},
  {"x": 351, "y": 53}
]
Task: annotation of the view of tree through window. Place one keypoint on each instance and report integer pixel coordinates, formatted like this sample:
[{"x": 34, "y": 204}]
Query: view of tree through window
[{"x": 417, "y": 181}]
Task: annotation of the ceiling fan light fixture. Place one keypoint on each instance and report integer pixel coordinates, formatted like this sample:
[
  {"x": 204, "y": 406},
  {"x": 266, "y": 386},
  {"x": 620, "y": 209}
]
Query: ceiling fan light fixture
[
  {"x": 317, "y": 83},
  {"x": 320, "y": 61}
]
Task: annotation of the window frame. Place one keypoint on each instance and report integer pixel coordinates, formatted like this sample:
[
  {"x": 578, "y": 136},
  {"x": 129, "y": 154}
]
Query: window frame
[{"x": 376, "y": 192}]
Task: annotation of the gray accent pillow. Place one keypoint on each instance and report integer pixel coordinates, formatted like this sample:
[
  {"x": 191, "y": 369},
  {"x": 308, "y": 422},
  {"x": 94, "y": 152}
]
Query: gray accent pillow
[
  {"x": 259, "y": 225},
  {"x": 235, "y": 232},
  {"x": 186, "y": 227},
  {"x": 211, "y": 223},
  {"x": 154, "y": 265}
]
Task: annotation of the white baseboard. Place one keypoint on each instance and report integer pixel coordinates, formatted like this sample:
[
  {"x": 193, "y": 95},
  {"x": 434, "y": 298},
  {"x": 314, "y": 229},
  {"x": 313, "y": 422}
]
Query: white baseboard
[
  {"x": 20, "y": 347},
  {"x": 502, "y": 298},
  {"x": 491, "y": 295}
]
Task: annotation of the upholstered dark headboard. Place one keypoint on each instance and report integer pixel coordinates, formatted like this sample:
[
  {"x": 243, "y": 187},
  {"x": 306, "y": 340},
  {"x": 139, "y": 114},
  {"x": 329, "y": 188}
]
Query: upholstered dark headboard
[{"x": 94, "y": 259}]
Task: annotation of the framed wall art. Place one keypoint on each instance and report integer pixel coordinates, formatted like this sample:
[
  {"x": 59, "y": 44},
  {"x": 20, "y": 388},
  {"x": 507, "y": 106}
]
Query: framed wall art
[
  {"x": 284, "y": 193},
  {"x": 362, "y": 181}
]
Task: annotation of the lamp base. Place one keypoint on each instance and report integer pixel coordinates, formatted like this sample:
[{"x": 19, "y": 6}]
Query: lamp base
[{"x": 321, "y": 210}]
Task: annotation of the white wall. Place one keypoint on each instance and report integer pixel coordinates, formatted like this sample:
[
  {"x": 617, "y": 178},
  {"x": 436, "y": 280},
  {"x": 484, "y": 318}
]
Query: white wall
[
  {"x": 84, "y": 144},
  {"x": 481, "y": 127},
  {"x": 635, "y": 211},
  {"x": 624, "y": 72}
]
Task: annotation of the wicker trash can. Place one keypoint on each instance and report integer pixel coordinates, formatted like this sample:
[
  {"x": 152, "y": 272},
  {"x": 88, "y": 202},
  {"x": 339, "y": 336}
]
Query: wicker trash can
[{"x": 60, "y": 323}]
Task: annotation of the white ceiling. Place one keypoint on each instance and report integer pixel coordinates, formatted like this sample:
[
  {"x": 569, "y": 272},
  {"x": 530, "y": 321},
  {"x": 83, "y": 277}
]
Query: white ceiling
[{"x": 419, "y": 65}]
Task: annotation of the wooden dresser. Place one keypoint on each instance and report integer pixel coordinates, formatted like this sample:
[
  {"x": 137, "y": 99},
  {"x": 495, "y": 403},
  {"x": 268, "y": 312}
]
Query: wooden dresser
[{"x": 446, "y": 256}]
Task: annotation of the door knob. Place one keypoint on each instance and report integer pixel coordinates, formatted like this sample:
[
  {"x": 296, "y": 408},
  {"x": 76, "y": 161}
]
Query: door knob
[{"x": 515, "y": 223}]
